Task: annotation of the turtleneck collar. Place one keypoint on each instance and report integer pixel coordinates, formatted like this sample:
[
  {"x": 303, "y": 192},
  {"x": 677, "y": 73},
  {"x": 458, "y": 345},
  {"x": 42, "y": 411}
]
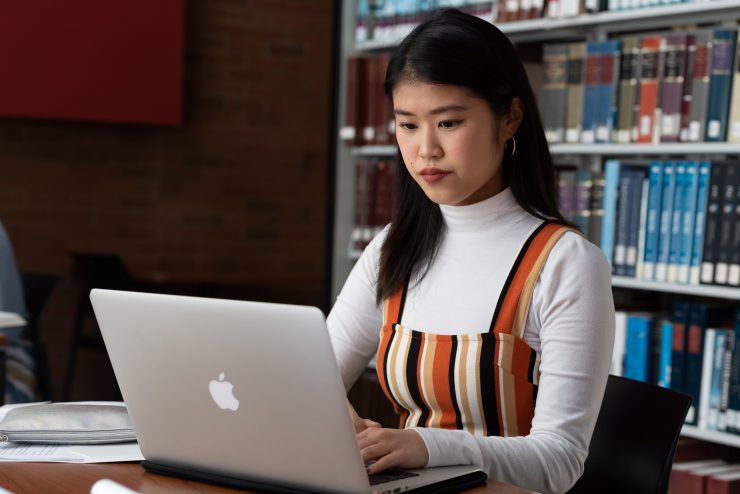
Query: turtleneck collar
[{"x": 475, "y": 216}]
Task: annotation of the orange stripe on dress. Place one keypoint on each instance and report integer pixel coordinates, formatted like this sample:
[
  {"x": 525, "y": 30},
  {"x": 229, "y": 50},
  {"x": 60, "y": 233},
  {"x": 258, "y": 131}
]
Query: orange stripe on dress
[{"x": 505, "y": 319}]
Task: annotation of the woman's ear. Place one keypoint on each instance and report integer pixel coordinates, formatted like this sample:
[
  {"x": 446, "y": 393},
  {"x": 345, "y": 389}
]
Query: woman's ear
[{"x": 513, "y": 119}]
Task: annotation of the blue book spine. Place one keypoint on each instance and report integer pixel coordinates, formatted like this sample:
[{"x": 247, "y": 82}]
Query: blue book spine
[
  {"x": 637, "y": 352},
  {"x": 611, "y": 179},
  {"x": 699, "y": 221},
  {"x": 606, "y": 110},
  {"x": 679, "y": 206},
  {"x": 666, "y": 215},
  {"x": 592, "y": 79},
  {"x": 733, "y": 405},
  {"x": 715, "y": 390},
  {"x": 666, "y": 353},
  {"x": 720, "y": 84},
  {"x": 687, "y": 222},
  {"x": 652, "y": 225}
]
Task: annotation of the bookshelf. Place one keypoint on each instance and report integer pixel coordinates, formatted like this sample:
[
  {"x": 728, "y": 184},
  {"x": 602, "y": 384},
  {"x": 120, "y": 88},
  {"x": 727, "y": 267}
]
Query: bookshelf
[{"x": 587, "y": 27}]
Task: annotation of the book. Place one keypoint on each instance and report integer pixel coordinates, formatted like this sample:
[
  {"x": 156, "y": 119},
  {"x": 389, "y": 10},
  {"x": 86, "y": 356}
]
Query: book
[
  {"x": 716, "y": 384},
  {"x": 606, "y": 108},
  {"x": 591, "y": 90},
  {"x": 666, "y": 354},
  {"x": 567, "y": 191},
  {"x": 712, "y": 219},
  {"x": 636, "y": 182},
  {"x": 691, "y": 188},
  {"x": 638, "y": 346},
  {"x": 650, "y": 72},
  {"x": 674, "y": 54},
  {"x": 733, "y": 128},
  {"x": 679, "y": 206},
  {"x": 620, "y": 342},
  {"x": 629, "y": 77},
  {"x": 731, "y": 181},
  {"x": 582, "y": 217},
  {"x": 697, "y": 249},
  {"x": 554, "y": 58},
  {"x": 608, "y": 225},
  {"x": 687, "y": 97},
  {"x": 621, "y": 234},
  {"x": 705, "y": 387},
  {"x": 597, "y": 206},
  {"x": 679, "y": 320},
  {"x": 700, "y": 85},
  {"x": 652, "y": 226},
  {"x": 666, "y": 216},
  {"x": 720, "y": 83},
  {"x": 640, "y": 265},
  {"x": 574, "y": 92}
]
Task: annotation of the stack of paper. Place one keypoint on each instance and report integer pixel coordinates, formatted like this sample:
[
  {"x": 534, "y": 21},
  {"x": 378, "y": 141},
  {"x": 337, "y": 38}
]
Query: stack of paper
[{"x": 11, "y": 320}]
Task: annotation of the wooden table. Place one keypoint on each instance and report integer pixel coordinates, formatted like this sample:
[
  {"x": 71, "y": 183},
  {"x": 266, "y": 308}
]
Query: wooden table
[{"x": 71, "y": 478}]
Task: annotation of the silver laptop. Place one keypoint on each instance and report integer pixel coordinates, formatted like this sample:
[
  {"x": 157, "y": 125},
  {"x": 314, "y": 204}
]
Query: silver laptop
[{"x": 243, "y": 393}]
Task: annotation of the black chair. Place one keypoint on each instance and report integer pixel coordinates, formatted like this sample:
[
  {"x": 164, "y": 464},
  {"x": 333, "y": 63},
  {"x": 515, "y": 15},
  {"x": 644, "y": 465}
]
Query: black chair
[
  {"x": 634, "y": 439},
  {"x": 37, "y": 289},
  {"x": 88, "y": 271}
]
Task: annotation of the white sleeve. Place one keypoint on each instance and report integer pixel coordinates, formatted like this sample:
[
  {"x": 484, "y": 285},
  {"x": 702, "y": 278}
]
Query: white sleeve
[
  {"x": 572, "y": 309},
  {"x": 354, "y": 321}
]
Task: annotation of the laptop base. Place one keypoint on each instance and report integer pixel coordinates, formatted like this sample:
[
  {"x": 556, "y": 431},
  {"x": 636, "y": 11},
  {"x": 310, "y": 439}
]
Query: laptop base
[{"x": 456, "y": 484}]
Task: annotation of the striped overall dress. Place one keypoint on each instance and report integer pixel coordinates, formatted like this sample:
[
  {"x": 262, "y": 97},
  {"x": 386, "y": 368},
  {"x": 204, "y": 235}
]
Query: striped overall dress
[{"x": 484, "y": 383}]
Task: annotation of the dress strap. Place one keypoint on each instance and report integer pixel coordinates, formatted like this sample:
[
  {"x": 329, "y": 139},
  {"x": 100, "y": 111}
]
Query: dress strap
[
  {"x": 393, "y": 305},
  {"x": 513, "y": 304}
]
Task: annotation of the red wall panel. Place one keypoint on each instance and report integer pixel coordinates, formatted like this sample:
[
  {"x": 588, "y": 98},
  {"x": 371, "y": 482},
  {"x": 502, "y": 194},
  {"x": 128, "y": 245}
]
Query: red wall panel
[{"x": 92, "y": 60}]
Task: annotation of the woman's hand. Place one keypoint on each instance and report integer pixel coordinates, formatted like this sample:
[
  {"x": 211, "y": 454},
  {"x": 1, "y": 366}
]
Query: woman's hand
[
  {"x": 391, "y": 448},
  {"x": 360, "y": 423}
]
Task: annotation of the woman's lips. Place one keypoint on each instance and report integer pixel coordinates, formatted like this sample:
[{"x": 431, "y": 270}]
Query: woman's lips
[{"x": 433, "y": 175}]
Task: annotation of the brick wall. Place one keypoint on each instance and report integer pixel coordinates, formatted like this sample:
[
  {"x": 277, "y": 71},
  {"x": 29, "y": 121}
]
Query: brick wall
[{"x": 235, "y": 195}]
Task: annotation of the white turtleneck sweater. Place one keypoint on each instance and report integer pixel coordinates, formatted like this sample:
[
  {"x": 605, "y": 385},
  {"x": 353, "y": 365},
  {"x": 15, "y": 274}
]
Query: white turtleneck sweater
[{"x": 570, "y": 323}]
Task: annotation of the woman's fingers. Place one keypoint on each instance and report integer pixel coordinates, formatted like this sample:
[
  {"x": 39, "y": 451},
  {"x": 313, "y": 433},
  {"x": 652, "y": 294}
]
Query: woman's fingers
[{"x": 392, "y": 448}]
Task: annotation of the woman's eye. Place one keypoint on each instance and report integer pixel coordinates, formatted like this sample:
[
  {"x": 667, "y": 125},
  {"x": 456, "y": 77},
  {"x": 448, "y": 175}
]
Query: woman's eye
[
  {"x": 448, "y": 124},
  {"x": 407, "y": 126}
]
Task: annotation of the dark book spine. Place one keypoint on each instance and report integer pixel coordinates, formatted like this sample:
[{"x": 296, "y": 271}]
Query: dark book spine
[{"x": 711, "y": 225}]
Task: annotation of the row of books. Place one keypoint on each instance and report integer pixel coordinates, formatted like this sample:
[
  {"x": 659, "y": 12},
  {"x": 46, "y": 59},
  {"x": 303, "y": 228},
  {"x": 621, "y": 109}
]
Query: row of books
[
  {"x": 390, "y": 20},
  {"x": 672, "y": 221},
  {"x": 373, "y": 200},
  {"x": 706, "y": 476},
  {"x": 368, "y": 117},
  {"x": 387, "y": 21},
  {"x": 652, "y": 88},
  {"x": 691, "y": 350}
]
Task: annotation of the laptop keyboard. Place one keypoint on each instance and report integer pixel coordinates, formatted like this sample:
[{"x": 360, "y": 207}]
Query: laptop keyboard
[{"x": 390, "y": 475}]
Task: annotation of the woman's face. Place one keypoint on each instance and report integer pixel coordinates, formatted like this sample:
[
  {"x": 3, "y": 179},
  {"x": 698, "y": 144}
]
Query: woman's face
[{"x": 451, "y": 142}]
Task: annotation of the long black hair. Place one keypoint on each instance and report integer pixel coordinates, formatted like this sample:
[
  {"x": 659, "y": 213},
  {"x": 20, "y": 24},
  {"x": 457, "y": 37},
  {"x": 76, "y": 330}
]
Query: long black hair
[{"x": 458, "y": 49}]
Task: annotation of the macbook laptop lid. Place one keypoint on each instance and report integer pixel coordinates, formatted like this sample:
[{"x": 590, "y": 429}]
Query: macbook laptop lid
[{"x": 238, "y": 390}]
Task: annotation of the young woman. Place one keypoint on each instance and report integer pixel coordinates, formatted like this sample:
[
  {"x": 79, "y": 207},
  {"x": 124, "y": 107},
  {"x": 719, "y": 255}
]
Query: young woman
[{"x": 492, "y": 319}]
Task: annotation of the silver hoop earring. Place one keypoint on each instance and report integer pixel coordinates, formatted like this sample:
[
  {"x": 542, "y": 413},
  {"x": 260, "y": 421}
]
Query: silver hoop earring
[{"x": 513, "y": 146}]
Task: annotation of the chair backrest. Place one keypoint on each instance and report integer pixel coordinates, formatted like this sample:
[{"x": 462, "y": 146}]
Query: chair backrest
[
  {"x": 634, "y": 439},
  {"x": 37, "y": 289}
]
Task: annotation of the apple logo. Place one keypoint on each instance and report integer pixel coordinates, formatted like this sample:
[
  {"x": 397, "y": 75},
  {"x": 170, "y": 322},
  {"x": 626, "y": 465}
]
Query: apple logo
[{"x": 223, "y": 393}]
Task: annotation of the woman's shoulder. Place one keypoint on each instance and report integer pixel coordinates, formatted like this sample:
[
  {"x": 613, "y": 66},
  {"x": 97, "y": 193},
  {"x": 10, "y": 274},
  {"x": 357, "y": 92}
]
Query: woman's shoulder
[{"x": 575, "y": 252}]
